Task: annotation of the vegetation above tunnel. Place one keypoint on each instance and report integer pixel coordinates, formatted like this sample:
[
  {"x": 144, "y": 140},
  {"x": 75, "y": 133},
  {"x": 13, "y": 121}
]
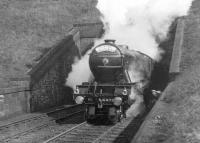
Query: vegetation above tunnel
[{"x": 29, "y": 28}]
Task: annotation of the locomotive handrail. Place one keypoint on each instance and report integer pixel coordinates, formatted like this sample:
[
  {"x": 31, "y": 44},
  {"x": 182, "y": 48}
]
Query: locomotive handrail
[
  {"x": 109, "y": 66},
  {"x": 107, "y": 56},
  {"x": 111, "y": 85},
  {"x": 127, "y": 75},
  {"x": 114, "y": 45}
]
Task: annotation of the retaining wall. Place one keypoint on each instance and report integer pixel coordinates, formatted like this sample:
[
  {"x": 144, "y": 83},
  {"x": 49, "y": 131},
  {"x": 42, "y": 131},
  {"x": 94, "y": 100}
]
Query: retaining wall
[
  {"x": 152, "y": 120},
  {"x": 44, "y": 85},
  {"x": 177, "y": 49},
  {"x": 14, "y": 101},
  {"x": 48, "y": 77}
]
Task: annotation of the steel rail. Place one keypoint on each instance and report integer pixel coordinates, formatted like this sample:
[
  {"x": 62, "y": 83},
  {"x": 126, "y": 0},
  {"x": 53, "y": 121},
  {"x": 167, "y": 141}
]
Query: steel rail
[
  {"x": 102, "y": 135},
  {"x": 38, "y": 116},
  {"x": 40, "y": 126},
  {"x": 23, "y": 120},
  {"x": 63, "y": 108},
  {"x": 105, "y": 133},
  {"x": 63, "y": 133}
]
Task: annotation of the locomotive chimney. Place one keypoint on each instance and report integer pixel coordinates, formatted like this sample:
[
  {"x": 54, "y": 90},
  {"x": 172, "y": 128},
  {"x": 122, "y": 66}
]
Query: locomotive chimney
[{"x": 109, "y": 41}]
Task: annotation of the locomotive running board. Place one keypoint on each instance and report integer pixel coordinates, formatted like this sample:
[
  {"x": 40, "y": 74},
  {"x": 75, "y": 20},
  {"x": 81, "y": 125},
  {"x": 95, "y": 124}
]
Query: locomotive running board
[{"x": 110, "y": 85}]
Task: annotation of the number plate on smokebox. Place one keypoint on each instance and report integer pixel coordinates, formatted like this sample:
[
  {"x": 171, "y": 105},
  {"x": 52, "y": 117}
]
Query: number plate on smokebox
[{"x": 105, "y": 100}]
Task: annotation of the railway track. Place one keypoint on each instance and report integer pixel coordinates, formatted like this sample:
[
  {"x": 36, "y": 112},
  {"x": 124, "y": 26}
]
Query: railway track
[
  {"x": 57, "y": 113},
  {"x": 75, "y": 132},
  {"x": 87, "y": 133},
  {"x": 40, "y": 121}
]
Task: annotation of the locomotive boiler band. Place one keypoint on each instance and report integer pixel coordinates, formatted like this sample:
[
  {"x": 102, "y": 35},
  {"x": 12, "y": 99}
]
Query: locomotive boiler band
[{"x": 120, "y": 74}]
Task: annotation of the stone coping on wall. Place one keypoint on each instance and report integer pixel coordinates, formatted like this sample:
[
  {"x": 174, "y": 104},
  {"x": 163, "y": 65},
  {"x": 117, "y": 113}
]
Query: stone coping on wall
[{"x": 177, "y": 48}]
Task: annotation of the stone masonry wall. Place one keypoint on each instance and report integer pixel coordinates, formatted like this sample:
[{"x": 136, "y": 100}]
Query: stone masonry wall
[
  {"x": 48, "y": 77},
  {"x": 14, "y": 101},
  {"x": 88, "y": 33},
  {"x": 44, "y": 85}
]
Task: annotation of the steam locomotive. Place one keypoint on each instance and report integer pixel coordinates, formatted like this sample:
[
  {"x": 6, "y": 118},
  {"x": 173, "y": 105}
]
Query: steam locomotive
[{"x": 119, "y": 73}]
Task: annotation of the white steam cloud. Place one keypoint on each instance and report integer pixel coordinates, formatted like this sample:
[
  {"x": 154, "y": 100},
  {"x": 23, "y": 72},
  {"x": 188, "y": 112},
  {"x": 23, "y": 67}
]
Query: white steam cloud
[
  {"x": 80, "y": 72},
  {"x": 136, "y": 23}
]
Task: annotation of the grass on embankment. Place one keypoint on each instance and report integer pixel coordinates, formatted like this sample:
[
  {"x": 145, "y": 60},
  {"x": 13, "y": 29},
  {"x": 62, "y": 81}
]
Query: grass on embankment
[
  {"x": 29, "y": 27},
  {"x": 180, "y": 121}
]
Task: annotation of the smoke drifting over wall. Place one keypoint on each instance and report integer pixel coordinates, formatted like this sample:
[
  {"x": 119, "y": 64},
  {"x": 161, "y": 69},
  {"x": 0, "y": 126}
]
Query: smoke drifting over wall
[
  {"x": 136, "y": 23},
  {"x": 80, "y": 72}
]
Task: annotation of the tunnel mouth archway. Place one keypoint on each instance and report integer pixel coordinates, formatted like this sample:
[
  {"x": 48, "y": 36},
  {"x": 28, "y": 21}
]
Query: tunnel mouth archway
[{"x": 160, "y": 75}]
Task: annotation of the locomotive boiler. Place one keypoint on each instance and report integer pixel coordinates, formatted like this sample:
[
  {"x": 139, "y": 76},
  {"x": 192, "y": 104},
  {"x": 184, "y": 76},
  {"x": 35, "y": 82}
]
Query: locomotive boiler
[{"x": 119, "y": 74}]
